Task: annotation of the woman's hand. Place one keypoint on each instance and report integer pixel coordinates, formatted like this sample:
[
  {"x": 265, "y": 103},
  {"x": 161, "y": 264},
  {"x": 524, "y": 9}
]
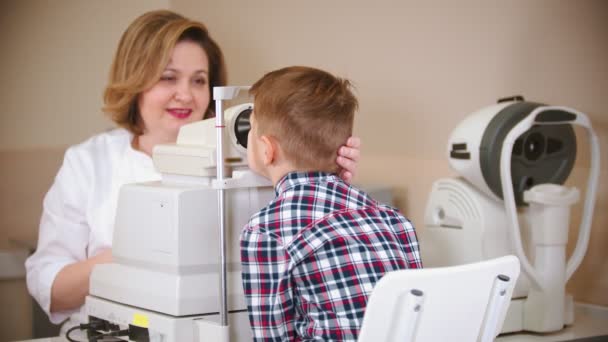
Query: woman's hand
[
  {"x": 71, "y": 284},
  {"x": 104, "y": 257},
  {"x": 348, "y": 157}
]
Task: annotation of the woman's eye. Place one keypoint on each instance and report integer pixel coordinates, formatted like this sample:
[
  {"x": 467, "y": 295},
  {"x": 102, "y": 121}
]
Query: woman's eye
[
  {"x": 167, "y": 78},
  {"x": 200, "y": 81}
]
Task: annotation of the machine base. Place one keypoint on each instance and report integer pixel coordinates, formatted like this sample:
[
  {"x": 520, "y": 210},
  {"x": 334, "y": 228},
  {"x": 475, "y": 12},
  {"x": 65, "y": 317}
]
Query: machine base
[
  {"x": 514, "y": 321},
  {"x": 167, "y": 328}
]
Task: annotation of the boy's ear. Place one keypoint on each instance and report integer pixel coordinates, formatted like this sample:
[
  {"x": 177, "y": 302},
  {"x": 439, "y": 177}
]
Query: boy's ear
[{"x": 270, "y": 149}]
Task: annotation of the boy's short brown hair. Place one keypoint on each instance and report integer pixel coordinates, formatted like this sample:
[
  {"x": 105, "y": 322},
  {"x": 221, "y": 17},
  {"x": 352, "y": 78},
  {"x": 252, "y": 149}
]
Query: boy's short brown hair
[{"x": 309, "y": 111}]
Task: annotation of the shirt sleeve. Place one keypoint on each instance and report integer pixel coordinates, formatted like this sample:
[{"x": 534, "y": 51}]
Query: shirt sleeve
[
  {"x": 63, "y": 234},
  {"x": 270, "y": 300}
]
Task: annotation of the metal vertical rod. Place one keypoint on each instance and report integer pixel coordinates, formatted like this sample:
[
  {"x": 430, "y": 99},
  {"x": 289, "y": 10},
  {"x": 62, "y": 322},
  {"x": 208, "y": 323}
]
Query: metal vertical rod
[{"x": 219, "y": 124}]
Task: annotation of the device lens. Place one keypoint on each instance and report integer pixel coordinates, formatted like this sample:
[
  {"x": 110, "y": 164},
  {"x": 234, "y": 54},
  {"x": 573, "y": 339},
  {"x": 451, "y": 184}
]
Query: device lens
[
  {"x": 534, "y": 146},
  {"x": 242, "y": 127}
]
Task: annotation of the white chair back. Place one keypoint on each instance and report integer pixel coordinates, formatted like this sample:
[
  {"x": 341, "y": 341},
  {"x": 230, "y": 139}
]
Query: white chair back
[{"x": 459, "y": 303}]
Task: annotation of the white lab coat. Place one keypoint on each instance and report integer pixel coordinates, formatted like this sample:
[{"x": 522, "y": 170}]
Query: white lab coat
[{"x": 78, "y": 211}]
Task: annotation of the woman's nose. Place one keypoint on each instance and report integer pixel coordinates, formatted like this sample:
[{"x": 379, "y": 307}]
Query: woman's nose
[{"x": 183, "y": 92}]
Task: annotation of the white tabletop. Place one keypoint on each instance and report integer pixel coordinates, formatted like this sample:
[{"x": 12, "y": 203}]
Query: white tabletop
[{"x": 590, "y": 321}]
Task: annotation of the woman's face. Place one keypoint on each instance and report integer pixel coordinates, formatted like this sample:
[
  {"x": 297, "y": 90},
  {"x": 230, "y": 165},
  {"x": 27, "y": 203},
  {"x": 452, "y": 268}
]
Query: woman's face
[{"x": 181, "y": 95}]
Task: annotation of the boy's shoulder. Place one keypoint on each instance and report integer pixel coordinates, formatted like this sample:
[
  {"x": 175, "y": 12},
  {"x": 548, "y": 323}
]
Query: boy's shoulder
[
  {"x": 311, "y": 200},
  {"x": 258, "y": 220},
  {"x": 296, "y": 216}
]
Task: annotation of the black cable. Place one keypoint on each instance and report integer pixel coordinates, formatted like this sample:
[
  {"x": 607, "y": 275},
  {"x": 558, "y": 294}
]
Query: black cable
[
  {"x": 67, "y": 334},
  {"x": 83, "y": 326}
]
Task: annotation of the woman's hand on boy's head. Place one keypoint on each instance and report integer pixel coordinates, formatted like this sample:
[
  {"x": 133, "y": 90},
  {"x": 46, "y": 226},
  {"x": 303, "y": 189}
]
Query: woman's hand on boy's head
[{"x": 348, "y": 158}]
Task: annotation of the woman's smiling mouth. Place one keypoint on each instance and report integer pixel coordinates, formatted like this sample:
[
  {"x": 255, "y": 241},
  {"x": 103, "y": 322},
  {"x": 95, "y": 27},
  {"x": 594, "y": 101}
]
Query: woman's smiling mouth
[{"x": 180, "y": 113}]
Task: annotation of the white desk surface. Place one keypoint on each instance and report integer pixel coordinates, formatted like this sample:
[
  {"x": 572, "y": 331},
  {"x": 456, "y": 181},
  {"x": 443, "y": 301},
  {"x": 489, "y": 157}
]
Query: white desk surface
[{"x": 589, "y": 321}]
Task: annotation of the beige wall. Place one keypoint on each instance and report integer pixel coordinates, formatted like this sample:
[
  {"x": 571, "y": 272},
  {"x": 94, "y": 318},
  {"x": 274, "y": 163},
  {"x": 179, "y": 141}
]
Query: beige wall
[
  {"x": 422, "y": 66},
  {"x": 55, "y": 61},
  {"x": 419, "y": 67}
]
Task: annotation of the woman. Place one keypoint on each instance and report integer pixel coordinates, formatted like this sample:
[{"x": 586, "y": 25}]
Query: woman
[{"x": 160, "y": 80}]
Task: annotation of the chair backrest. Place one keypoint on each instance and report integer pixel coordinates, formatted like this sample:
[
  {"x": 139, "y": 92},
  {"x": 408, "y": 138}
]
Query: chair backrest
[{"x": 459, "y": 303}]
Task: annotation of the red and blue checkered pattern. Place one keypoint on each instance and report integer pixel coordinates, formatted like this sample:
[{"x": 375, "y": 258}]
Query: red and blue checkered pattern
[{"x": 312, "y": 257}]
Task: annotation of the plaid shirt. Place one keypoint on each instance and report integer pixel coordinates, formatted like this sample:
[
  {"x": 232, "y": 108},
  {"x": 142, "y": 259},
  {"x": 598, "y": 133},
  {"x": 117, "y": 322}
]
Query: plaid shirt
[{"x": 312, "y": 257}]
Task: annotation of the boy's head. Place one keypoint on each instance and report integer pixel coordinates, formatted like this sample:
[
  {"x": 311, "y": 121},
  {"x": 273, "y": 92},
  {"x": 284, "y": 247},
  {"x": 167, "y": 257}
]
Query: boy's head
[{"x": 308, "y": 113}]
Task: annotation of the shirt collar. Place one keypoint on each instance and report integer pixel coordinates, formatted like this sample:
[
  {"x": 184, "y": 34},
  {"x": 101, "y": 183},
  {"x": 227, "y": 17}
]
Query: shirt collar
[{"x": 293, "y": 179}]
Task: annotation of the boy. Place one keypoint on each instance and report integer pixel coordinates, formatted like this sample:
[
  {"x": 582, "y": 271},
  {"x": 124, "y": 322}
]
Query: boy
[{"x": 312, "y": 256}]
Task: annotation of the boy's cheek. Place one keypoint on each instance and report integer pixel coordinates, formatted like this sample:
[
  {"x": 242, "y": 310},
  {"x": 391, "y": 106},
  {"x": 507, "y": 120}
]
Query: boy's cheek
[
  {"x": 251, "y": 159},
  {"x": 249, "y": 150}
]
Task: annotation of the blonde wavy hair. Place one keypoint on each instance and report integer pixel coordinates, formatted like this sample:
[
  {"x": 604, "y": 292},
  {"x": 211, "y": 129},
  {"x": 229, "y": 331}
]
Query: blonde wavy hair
[{"x": 143, "y": 52}]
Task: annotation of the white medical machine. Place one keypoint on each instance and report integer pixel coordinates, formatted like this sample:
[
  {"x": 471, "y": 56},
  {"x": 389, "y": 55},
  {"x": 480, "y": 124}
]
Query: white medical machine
[
  {"x": 513, "y": 158},
  {"x": 176, "y": 273}
]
